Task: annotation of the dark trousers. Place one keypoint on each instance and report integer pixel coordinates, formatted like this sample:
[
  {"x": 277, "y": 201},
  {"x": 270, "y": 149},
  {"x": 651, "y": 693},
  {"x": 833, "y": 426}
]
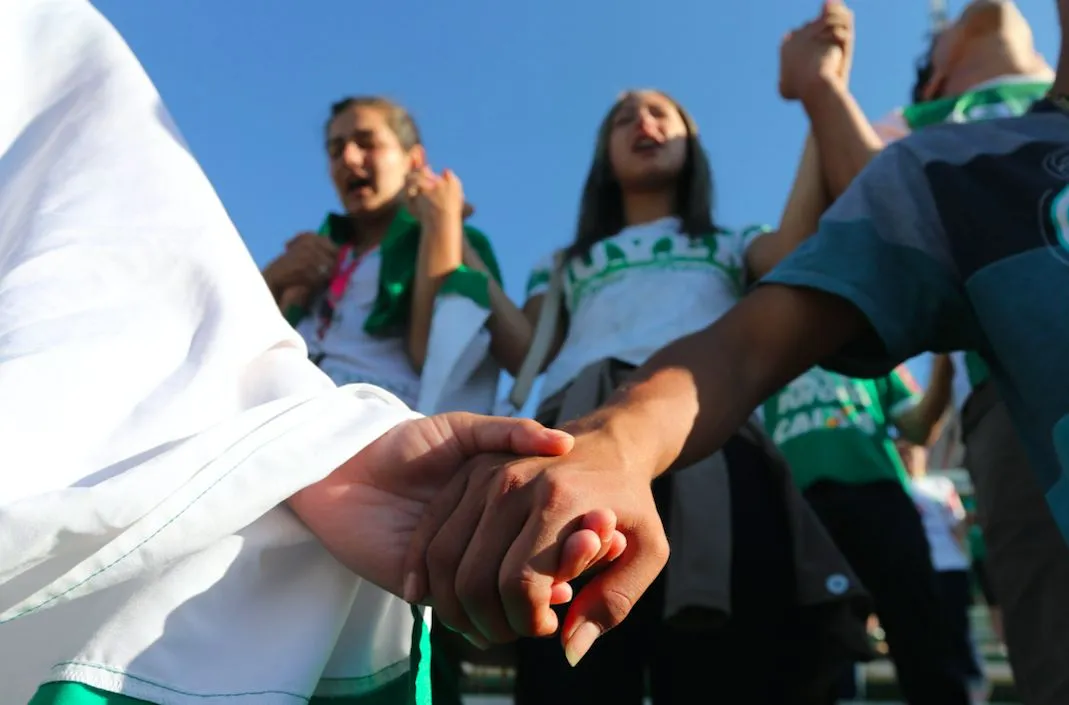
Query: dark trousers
[
  {"x": 879, "y": 531},
  {"x": 955, "y": 590},
  {"x": 748, "y": 657}
]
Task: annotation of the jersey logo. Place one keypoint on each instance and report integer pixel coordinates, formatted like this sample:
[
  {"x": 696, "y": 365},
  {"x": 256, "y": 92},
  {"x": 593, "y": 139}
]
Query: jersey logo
[
  {"x": 1056, "y": 227},
  {"x": 1056, "y": 230}
]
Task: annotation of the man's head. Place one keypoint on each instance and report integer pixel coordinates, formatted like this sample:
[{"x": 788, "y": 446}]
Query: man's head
[{"x": 991, "y": 38}]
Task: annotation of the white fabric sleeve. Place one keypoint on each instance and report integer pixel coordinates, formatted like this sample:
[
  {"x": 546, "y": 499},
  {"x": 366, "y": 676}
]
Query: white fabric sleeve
[
  {"x": 538, "y": 281},
  {"x": 145, "y": 373}
]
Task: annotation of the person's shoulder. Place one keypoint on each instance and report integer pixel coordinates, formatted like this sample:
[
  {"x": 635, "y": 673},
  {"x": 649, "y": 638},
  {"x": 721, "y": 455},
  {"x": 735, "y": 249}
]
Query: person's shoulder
[{"x": 742, "y": 236}]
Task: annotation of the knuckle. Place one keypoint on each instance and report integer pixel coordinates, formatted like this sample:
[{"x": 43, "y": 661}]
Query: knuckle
[
  {"x": 474, "y": 588},
  {"x": 441, "y": 560},
  {"x": 517, "y": 589},
  {"x": 660, "y": 548},
  {"x": 529, "y": 425},
  {"x": 557, "y": 492},
  {"x": 618, "y": 605},
  {"x": 509, "y": 480}
]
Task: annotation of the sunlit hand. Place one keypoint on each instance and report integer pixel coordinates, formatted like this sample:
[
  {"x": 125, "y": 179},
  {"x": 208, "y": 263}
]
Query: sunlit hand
[
  {"x": 819, "y": 52},
  {"x": 306, "y": 264},
  {"x": 365, "y": 512},
  {"x": 494, "y": 545},
  {"x": 435, "y": 198}
]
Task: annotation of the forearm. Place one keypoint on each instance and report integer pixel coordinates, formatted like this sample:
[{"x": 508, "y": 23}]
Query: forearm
[
  {"x": 846, "y": 139},
  {"x": 920, "y": 424},
  {"x": 808, "y": 199},
  {"x": 439, "y": 255},
  {"x": 510, "y": 330},
  {"x": 690, "y": 397},
  {"x": 925, "y": 417}
]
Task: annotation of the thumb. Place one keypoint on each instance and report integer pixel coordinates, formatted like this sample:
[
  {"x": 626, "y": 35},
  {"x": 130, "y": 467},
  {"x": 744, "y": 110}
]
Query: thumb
[
  {"x": 495, "y": 434},
  {"x": 607, "y": 599}
]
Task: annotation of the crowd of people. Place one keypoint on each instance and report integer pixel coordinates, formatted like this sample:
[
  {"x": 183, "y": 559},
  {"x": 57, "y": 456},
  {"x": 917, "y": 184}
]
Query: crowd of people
[{"x": 264, "y": 488}]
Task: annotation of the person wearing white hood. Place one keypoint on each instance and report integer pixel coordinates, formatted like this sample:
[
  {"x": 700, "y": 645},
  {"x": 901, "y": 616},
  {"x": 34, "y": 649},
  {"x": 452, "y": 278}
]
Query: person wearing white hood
[{"x": 190, "y": 511}]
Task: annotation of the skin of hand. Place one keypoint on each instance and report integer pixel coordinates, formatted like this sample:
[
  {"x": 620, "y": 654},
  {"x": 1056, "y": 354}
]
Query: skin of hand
[
  {"x": 468, "y": 531},
  {"x": 817, "y": 52},
  {"x": 308, "y": 262},
  {"x": 366, "y": 510}
]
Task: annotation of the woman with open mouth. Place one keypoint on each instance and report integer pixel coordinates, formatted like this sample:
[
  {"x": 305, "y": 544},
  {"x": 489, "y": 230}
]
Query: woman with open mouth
[
  {"x": 648, "y": 265},
  {"x": 380, "y": 294}
]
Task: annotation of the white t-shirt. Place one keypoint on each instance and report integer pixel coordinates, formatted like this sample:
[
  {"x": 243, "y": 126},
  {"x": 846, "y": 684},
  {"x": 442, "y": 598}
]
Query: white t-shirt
[
  {"x": 351, "y": 355},
  {"x": 639, "y": 290},
  {"x": 941, "y": 511}
]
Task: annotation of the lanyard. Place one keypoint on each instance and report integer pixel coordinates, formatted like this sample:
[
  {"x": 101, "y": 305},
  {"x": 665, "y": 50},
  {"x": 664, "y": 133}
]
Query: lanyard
[{"x": 346, "y": 264}]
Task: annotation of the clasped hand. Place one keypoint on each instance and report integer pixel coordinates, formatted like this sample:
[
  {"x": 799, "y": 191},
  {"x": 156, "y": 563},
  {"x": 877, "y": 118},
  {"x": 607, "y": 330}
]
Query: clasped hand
[{"x": 496, "y": 547}]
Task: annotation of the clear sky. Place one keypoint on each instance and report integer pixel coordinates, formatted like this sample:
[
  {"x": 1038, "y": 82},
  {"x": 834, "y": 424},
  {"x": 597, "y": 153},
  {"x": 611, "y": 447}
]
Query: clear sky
[{"x": 508, "y": 94}]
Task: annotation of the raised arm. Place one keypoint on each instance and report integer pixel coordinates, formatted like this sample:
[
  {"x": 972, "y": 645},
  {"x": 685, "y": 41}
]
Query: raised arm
[
  {"x": 438, "y": 202},
  {"x": 920, "y": 422},
  {"x": 807, "y": 200},
  {"x": 846, "y": 139},
  {"x": 512, "y": 328}
]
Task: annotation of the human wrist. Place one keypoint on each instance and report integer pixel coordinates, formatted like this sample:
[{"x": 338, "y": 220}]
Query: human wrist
[
  {"x": 628, "y": 440},
  {"x": 441, "y": 218},
  {"x": 820, "y": 92}
]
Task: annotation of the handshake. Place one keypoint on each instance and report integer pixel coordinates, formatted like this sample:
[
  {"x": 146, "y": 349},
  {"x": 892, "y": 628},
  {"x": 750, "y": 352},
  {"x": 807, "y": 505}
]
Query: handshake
[{"x": 489, "y": 519}]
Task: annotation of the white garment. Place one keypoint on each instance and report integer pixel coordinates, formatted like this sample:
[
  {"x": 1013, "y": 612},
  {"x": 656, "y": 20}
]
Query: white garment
[
  {"x": 459, "y": 374},
  {"x": 351, "y": 354},
  {"x": 639, "y": 290},
  {"x": 941, "y": 512},
  {"x": 155, "y": 410}
]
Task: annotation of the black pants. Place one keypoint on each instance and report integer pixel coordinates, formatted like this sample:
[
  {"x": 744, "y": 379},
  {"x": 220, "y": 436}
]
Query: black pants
[
  {"x": 955, "y": 590},
  {"x": 879, "y": 531},
  {"x": 746, "y": 658}
]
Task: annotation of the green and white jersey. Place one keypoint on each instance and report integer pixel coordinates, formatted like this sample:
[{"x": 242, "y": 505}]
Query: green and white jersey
[
  {"x": 832, "y": 427},
  {"x": 639, "y": 290}
]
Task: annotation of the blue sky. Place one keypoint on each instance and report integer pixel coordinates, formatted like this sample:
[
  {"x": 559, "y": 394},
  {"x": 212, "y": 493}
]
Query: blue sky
[{"x": 507, "y": 94}]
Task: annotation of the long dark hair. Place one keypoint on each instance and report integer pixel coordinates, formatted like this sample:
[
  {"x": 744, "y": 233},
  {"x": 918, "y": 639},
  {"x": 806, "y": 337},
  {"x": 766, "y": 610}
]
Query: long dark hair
[{"x": 601, "y": 211}]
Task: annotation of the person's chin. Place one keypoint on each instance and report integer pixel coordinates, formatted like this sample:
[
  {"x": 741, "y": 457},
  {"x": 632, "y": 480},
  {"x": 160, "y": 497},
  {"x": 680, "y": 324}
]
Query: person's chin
[{"x": 357, "y": 208}]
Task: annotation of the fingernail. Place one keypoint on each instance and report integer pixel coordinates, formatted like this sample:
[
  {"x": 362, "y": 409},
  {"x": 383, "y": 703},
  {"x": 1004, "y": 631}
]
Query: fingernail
[
  {"x": 555, "y": 433},
  {"x": 582, "y": 639},
  {"x": 411, "y": 589},
  {"x": 477, "y": 641}
]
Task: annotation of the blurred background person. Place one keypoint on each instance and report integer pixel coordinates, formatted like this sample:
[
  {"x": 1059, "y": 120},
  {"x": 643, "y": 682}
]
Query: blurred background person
[{"x": 946, "y": 526}]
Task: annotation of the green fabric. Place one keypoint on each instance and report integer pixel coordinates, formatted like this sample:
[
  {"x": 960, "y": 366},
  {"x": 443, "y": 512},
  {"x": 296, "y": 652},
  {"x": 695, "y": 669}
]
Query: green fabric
[
  {"x": 397, "y": 272},
  {"x": 1004, "y": 99},
  {"x": 832, "y": 427},
  {"x": 413, "y": 688},
  {"x": 976, "y": 369},
  {"x": 63, "y": 693}
]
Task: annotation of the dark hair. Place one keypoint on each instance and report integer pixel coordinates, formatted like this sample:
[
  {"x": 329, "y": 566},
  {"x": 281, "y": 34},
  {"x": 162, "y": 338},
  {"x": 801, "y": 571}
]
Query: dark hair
[
  {"x": 399, "y": 119},
  {"x": 601, "y": 211},
  {"x": 923, "y": 70}
]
